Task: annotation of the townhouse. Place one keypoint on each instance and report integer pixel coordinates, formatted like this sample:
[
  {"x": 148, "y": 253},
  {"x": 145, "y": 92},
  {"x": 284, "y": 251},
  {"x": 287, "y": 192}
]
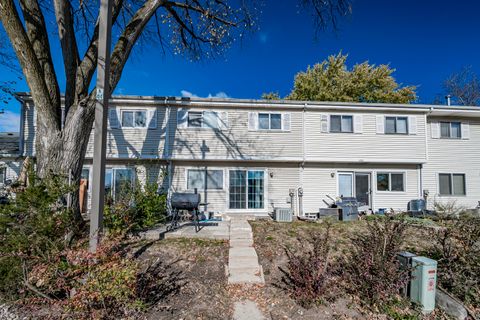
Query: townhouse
[{"x": 250, "y": 156}]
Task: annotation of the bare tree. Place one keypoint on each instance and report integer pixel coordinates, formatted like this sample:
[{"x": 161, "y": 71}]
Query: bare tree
[
  {"x": 195, "y": 28},
  {"x": 464, "y": 87}
]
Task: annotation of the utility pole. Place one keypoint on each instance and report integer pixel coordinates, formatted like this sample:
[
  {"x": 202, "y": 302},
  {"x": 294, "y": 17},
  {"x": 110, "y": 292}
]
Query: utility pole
[{"x": 101, "y": 116}]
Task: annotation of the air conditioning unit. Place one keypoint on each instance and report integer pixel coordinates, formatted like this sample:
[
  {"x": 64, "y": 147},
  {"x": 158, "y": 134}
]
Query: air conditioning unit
[{"x": 283, "y": 214}]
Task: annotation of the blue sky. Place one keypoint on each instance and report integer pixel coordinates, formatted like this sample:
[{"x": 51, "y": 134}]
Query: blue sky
[{"x": 425, "y": 41}]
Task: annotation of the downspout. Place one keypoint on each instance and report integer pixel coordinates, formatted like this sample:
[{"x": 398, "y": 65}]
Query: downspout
[
  {"x": 421, "y": 192},
  {"x": 167, "y": 145},
  {"x": 302, "y": 165}
]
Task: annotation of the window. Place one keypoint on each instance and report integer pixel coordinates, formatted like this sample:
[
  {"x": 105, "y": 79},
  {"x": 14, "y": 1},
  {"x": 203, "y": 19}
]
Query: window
[
  {"x": 396, "y": 125},
  {"x": 3, "y": 174},
  {"x": 118, "y": 182},
  {"x": 388, "y": 181},
  {"x": 345, "y": 184},
  {"x": 341, "y": 123},
  {"x": 451, "y": 130},
  {"x": 269, "y": 121},
  {"x": 451, "y": 184},
  {"x": 134, "y": 119},
  {"x": 205, "y": 119},
  {"x": 196, "y": 179},
  {"x": 246, "y": 189}
]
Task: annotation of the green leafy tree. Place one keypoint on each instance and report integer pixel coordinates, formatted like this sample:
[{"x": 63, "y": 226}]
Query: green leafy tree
[
  {"x": 271, "y": 96},
  {"x": 331, "y": 80}
]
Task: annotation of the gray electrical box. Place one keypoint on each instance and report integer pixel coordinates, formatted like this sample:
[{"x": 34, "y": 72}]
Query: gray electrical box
[
  {"x": 423, "y": 284},
  {"x": 405, "y": 260}
]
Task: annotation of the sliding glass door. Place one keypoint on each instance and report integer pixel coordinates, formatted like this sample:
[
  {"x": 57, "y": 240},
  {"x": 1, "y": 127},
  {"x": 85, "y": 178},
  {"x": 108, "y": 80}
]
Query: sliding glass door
[{"x": 246, "y": 189}]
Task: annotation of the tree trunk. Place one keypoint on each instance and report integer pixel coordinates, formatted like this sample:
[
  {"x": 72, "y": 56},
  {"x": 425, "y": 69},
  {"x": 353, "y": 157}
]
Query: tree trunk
[{"x": 63, "y": 152}]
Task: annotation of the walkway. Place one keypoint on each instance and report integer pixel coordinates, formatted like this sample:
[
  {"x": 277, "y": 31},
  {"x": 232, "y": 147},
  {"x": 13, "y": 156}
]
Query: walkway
[{"x": 243, "y": 267}]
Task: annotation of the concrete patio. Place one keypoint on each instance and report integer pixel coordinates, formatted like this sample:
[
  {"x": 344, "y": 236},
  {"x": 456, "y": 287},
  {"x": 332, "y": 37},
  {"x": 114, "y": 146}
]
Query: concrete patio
[{"x": 216, "y": 230}]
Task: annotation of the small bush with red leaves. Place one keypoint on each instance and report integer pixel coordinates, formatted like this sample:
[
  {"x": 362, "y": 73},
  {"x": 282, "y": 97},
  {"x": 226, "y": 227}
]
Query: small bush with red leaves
[
  {"x": 309, "y": 273},
  {"x": 371, "y": 270}
]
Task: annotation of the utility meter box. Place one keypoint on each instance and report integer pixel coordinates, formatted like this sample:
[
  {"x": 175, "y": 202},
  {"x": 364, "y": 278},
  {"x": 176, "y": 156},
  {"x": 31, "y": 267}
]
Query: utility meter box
[
  {"x": 423, "y": 285},
  {"x": 405, "y": 260}
]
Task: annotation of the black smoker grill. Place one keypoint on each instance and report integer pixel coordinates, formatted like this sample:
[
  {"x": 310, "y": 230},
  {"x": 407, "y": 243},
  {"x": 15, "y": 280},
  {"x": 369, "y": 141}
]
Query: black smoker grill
[{"x": 184, "y": 201}]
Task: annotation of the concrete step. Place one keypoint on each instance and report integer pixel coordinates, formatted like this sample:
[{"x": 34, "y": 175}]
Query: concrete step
[
  {"x": 246, "y": 275},
  {"x": 245, "y": 278},
  {"x": 250, "y": 270},
  {"x": 241, "y": 243},
  {"x": 243, "y": 262},
  {"x": 242, "y": 252},
  {"x": 241, "y": 235}
]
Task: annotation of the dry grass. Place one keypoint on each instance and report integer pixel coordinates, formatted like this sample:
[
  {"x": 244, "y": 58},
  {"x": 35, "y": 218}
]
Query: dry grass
[{"x": 271, "y": 238}]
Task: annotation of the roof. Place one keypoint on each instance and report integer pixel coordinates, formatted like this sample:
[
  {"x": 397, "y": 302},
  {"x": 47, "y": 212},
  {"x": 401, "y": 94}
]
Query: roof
[
  {"x": 9, "y": 144},
  {"x": 436, "y": 110}
]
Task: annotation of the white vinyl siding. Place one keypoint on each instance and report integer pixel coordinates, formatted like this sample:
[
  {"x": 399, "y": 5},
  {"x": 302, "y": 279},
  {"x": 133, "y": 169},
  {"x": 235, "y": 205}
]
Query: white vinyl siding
[
  {"x": 239, "y": 141},
  {"x": 368, "y": 145},
  {"x": 320, "y": 180},
  {"x": 453, "y": 156}
]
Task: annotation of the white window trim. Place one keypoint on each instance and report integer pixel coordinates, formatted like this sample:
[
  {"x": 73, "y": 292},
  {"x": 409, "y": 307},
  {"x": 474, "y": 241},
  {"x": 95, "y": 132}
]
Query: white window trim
[
  {"x": 270, "y": 120},
  {"x": 351, "y": 173},
  {"x": 451, "y": 185},
  {"x": 389, "y": 181},
  {"x": 266, "y": 198},
  {"x": 450, "y": 130},
  {"x": 134, "y": 175},
  {"x": 3, "y": 167},
  {"x": 202, "y": 127},
  {"x": 203, "y": 169},
  {"x": 122, "y": 110},
  {"x": 341, "y": 115},
  {"x": 396, "y": 117},
  {"x": 89, "y": 187}
]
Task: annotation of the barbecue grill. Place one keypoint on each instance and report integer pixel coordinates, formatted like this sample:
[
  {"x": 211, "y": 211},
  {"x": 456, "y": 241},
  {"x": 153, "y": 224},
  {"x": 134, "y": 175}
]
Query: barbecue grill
[{"x": 183, "y": 201}]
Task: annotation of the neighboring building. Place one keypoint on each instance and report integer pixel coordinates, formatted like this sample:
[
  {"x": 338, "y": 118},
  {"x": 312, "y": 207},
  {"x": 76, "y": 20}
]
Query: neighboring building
[
  {"x": 250, "y": 154},
  {"x": 10, "y": 160}
]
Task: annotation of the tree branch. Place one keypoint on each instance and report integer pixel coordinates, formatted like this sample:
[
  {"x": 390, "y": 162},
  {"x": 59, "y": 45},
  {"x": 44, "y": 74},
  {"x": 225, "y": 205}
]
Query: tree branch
[
  {"x": 28, "y": 60},
  {"x": 68, "y": 41},
  {"x": 200, "y": 10},
  {"x": 38, "y": 36},
  {"x": 129, "y": 37},
  {"x": 88, "y": 65}
]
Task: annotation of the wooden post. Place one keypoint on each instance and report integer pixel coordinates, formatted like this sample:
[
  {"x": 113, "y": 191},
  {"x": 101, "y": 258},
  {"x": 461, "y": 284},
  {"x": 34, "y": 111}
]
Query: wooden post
[{"x": 101, "y": 116}]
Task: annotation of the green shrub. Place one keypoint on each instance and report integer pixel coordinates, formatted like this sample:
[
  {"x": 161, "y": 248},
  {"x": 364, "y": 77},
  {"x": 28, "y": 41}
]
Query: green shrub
[
  {"x": 135, "y": 209},
  {"x": 33, "y": 228},
  {"x": 38, "y": 263},
  {"x": 371, "y": 270}
]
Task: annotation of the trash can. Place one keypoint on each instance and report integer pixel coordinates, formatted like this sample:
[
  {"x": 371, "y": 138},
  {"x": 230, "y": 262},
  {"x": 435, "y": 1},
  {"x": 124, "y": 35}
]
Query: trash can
[{"x": 423, "y": 285}]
